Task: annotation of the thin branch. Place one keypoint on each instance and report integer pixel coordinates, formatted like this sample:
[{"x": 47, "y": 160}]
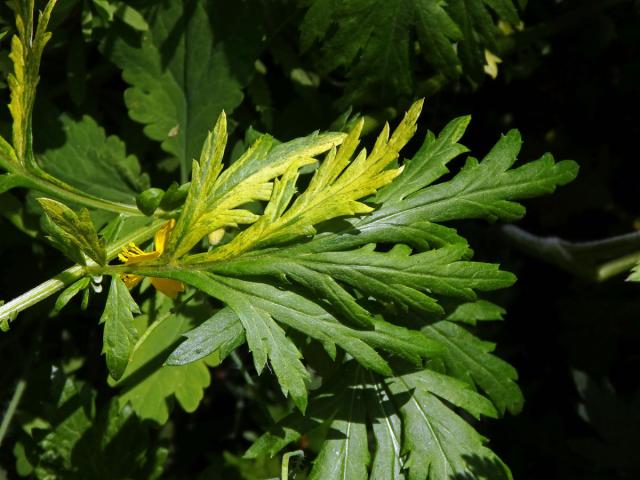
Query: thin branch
[
  {"x": 11, "y": 409},
  {"x": 10, "y": 310},
  {"x": 596, "y": 260}
]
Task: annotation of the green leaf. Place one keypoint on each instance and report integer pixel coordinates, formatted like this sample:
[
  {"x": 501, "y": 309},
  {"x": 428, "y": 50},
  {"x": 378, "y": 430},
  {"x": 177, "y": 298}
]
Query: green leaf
[
  {"x": 76, "y": 230},
  {"x": 417, "y": 435},
  {"x": 353, "y": 282},
  {"x": 219, "y": 335},
  {"x": 131, "y": 17},
  {"x": 439, "y": 444},
  {"x": 94, "y": 163},
  {"x": 374, "y": 41},
  {"x": 190, "y": 65},
  {"x": 473, "y": 312},
  {"x": 468, "y": 358},
  {"x": 485, "y": 189},
  {"x": 252, "y": 299},
  {"x": 408, "y": 281},
  {"x": 429, "y": 163},
  {"x": 265, "y": 337},
  {"x": 74, "y": 441},
  {"x": 151, "y": 387},
  {"x": 120, "y": 334},
  {"x": 68, "y": 293},
  {"x": 479, "y": 30}
]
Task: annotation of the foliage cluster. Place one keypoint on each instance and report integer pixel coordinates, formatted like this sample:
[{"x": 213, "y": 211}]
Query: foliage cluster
[{"x": 325, "y": 269}]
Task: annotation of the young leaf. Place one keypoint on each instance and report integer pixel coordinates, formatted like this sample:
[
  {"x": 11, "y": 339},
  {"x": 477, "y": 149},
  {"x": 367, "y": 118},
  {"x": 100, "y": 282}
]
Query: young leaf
[
  {"x": 335, "y": 190},
  {"x": 120, "y": 334},
  {"x": 213, "y": 196},
  {"x": 26, "y": 51},
  {"x": 74, "y": 229},
  {"x": 191, "y": 64}
]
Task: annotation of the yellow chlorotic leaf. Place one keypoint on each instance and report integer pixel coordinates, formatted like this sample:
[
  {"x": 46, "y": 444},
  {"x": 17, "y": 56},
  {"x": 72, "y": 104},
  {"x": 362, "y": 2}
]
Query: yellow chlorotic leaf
[
  {"x": 334, "y": 191},
  {"x": 26, "y": 52},
  {"x": 215, "y": 195}
]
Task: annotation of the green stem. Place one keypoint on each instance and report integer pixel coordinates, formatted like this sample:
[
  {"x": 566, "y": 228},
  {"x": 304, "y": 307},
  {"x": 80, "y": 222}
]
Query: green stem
[
  {"x": 43, "y": 182},
  {"x": 596, "y": 260},
  {"x": 284, "y": 471},
  {"x": 74, "y": 196},
  {"x": 11, "y": 409},
  {"x": 617, "y": 266},
  {"x": 9, "y": 310}
]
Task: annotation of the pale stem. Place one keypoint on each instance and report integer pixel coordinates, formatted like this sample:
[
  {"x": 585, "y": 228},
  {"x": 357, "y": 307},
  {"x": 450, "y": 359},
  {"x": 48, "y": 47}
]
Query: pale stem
[
  {"x": 284, "y": 472},
  {"x": 11, "y": 409},
  {"x": 9, "y": 310}
]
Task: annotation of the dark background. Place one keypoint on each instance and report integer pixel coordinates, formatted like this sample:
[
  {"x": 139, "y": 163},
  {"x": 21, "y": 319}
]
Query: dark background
[{"x": 571, "y": 87}]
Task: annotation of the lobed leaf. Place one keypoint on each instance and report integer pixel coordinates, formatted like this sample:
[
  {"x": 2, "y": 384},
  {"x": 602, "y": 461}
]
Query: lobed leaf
[
  {"x": 373, "y": 41},
  {"x": 417, "y": 435},
  {"x": 147, "y": 384},
  {"x": 94, "y": 163},
  {"x": 214, "y": 197},
  {"x": 75, "y": 440},
  {"x": 189, "y": 66},
  {"x": 468, "y": 358},
  {"x": 26, "y": 52}
]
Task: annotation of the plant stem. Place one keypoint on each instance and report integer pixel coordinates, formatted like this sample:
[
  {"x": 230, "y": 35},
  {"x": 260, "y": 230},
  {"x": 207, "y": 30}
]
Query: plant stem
[
  {"x": 618, "y": 266},
  {"x": 596, "y": 260},
  {"x": 284, "y": 471},
  {"x": 9, "y": 310},
  {"x": 85, "y": 200},
  {"x": 11, "y": 409}
]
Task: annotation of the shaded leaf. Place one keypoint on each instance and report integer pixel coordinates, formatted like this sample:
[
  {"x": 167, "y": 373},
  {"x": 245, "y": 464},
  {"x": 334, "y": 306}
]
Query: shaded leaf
[
  {"x": 190, "y": 65},
  {"x": 151, "y": 387}
]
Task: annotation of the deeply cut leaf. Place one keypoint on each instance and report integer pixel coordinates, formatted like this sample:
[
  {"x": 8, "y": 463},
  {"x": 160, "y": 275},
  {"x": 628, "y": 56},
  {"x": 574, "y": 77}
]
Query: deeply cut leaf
[
  {"x": 189, "y": 66},
  {"x": 148, "y": 385},
  {"x": 416, "y": 434},
  {"x": 374, "y": 41}
]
